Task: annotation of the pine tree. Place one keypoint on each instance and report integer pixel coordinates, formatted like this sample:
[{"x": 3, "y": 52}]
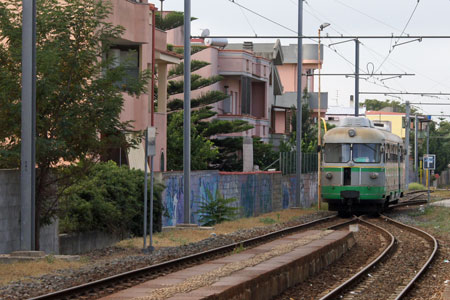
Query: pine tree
[{"x": 207, "y": 151}]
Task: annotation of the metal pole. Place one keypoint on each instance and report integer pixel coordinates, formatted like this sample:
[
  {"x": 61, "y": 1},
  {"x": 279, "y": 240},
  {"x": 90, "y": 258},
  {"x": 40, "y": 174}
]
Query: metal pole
[
  {"x": 145, "y": 188},
  {"x": 428, "y": 152},
  {"x": 407, "y": 128},
  {"x": 416, "y": 154},
  {"x": 319, "y": 142},
  {"x": 356, "y": 77},
  {"x": 298, "y": 186},
  {"x": 151, "y": 205},
  {"x": 28, "y": 130},
  {"x": 187, "y": 111}
]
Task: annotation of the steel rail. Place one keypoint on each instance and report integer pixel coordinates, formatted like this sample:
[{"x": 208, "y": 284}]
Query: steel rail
[
  {"x": 336, "y": 291},
  {"x": 407, "y": 203},
  {"x": 110, "y": 281},
  {"x": 348, "y": 283},
  {"x": 427, "y": 263}
]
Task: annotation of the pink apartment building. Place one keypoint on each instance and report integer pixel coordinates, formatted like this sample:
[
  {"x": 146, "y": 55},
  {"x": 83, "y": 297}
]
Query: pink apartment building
[
  {"x": 284, "y": 75},
  {"x": 248, "y": 80},
  {"x": 145, "y": 45}
]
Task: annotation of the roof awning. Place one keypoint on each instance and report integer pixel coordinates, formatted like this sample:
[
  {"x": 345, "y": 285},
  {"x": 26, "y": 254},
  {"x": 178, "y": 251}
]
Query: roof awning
[{"x": 167, "y": 57}]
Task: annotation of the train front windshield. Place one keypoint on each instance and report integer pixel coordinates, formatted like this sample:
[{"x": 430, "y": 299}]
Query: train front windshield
[
  {"x": 359, "y": 153},
  {"x": 366, "y": 153},
  {"x": 337, "y": 153}
]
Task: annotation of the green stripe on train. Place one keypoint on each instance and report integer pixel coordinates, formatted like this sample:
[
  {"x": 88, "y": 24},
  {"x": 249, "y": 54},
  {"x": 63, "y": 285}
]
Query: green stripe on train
[
  {"x": 355, "y": 169},
  {"x": 365, "y": 192}
]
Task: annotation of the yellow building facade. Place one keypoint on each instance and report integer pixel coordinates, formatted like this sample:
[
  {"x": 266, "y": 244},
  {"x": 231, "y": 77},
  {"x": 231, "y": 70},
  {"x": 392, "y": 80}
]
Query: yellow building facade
[{"x": 393, "y": 120}]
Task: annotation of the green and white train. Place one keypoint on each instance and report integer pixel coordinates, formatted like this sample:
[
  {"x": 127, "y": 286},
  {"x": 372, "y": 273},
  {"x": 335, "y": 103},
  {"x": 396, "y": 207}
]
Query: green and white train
[{"x": 363, "y": 167}]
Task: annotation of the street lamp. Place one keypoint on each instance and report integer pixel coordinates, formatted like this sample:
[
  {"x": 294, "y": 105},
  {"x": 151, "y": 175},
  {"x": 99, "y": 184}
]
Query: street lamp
[{"x": 319, "y": 142}]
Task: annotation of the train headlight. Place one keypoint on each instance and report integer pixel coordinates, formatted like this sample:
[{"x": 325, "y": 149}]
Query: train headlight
[
  {"x": 374, "y": 175},
  {"x": 329, "y": 175}
]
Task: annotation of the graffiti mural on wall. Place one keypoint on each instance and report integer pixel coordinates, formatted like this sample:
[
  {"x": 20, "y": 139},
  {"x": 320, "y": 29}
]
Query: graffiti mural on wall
[
  {"x": 173, "y": 200},
  {"x": 254, "y": 192}
]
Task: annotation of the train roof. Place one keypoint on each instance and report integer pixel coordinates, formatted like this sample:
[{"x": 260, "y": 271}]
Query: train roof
[{"x": 359, "y": 130}]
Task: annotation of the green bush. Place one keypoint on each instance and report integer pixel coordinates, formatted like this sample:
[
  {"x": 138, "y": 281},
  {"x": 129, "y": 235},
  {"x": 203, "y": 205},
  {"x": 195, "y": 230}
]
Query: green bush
[
  {"x": 110, "y": 199},
  {"x": 416, "y": 186},
  {"x": 214, "y": 211}
]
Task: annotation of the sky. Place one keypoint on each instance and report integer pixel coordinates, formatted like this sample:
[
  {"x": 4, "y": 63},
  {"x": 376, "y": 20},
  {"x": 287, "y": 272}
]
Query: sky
[{"x": 429, "y": 59}]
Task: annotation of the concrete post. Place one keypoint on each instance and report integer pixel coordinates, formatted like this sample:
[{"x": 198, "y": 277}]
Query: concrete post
[
  {"x": 298, "y": 164},
  {"x": 407, "y": 128},
  {"x": 28, "y": 123},
  {"x": 247, "y": 154}
]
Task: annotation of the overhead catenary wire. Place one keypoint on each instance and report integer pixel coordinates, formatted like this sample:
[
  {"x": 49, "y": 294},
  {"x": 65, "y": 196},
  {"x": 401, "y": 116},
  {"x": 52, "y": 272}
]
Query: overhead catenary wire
[
  {"x": 383, "y": 85},
  {"x": 401, "y": 34},
  {"x": 310, "y": 38},
  {"x": 248, "y": 21},
  {"x": 367, "y": 15}
]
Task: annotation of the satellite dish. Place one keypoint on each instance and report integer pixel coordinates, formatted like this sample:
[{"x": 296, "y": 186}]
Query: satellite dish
[{"x": 205, "y": 33}]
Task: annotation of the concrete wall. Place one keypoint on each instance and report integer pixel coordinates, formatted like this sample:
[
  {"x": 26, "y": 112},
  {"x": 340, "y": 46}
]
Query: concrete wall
[
  {"x": 9, "y": 211},
  {"x": 10, "y": 217},
  {"x": 79, "y": 243},
  {"x": 255, "y": 192}
]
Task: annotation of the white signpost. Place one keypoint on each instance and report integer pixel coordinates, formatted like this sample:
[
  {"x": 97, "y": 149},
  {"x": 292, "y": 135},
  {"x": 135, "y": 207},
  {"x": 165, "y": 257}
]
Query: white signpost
[{"x": 429, "y": 163}]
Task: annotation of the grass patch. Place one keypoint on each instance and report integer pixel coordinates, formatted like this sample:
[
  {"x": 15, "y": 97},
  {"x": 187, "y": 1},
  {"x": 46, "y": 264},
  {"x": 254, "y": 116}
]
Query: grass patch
[
  {"x": 433, "y": 217},
  {"x": 323, "y": 206},
  {"x": 177, "y": 237},
  {"x": 23, "y": 270},
  {"x": 238, "y": 249},
  {"x": 267, "y": 221},
  {"x": 414, "y": 186}
]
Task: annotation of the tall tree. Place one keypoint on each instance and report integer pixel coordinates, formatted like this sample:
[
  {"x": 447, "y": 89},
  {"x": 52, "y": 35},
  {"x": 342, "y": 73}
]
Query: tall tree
[
  {"x": 376, "y": 105},
  {"x": 207, "y": 151},
  {"x": 77, "y": 92}
]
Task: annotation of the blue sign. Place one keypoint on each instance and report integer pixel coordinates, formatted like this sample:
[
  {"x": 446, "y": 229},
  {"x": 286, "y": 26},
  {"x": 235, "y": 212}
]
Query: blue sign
[{"x": 429, "y": 161}]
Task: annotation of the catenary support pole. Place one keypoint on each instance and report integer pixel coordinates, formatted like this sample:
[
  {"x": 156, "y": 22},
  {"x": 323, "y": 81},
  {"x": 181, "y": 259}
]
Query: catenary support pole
[
  {"x": 150, "y": 231},
  {"x": 319, "y": 144},
  {"x": 145, "y": 189},
  {"x": 356, "y": 77},
  {"x": 298, "y": 173},
  {"x": 416, "y": 148},
  {"x": 28, "y": 130},
  {"x": 428, "y": 152},
  {"x": 407, "y": 129},
  {"x": 187, "y": 112}
]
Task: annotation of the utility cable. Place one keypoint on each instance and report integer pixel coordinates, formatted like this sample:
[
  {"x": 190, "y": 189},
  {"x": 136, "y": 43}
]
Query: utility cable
[
  {"x": 314, "y": 40},
  {"x": 367, "y": 15},
  {"x": 248, "y": 21},
  {"x": 403, "y": 31}
]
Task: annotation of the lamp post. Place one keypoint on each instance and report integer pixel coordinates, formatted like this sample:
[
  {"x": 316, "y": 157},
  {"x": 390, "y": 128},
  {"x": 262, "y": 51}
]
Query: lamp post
[{"x": 319, "y": 139}]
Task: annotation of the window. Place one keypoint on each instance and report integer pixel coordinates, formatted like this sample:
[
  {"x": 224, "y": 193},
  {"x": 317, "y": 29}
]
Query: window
[
  {"x": 366, "y": 153},
  {"x": 337, "y": 153},
  {"x": 127, "y": 57}
]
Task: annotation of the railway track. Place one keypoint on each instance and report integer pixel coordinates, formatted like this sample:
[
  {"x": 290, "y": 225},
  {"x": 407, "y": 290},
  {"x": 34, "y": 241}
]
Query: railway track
[
  {"x": 113, "y": 284},
  {"x": 395, "y": 270},
  {"x": 109, "y": 285},
  {"x": 411, "y": 199}
]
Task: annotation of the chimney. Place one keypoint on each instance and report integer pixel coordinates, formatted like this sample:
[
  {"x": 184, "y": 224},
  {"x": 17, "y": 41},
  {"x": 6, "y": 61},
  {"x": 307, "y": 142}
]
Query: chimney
[{"x": 248, "y": 46}]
